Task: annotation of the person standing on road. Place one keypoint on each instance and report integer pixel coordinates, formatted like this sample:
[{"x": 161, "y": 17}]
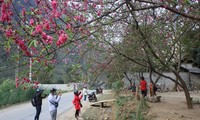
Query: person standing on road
[
  {"x": 77, "y": 103},
  {"x": 85, "y": 93},
  {"x": 38, "y": 100},
  {"x": 152, "y": 89},
  {"x": 143, "y": 87},
  {"x": 133, "y": 88},
  {"x": 53, "y": 100}
]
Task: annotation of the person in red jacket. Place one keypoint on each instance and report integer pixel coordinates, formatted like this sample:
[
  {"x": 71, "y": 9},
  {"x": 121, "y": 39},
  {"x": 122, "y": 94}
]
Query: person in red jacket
[
  {"x": 143, "y": 86},
  {"x": 77, "y": 103}
]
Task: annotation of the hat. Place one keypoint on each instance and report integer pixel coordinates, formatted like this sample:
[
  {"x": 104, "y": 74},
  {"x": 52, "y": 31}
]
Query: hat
[
  {"x": 39, "y": 89},
  {"x": 53, "y": 89},
  {"x": 76, "y": 92}
]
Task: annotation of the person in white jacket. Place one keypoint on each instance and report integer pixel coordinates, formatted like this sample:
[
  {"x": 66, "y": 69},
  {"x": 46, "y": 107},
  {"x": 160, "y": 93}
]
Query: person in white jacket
[
  {"x": 53, "y": 100},
  {"x": 85, "y": 93}
]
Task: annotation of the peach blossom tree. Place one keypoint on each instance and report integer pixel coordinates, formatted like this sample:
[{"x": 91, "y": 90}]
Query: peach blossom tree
[{"x": 39, "y": 30}]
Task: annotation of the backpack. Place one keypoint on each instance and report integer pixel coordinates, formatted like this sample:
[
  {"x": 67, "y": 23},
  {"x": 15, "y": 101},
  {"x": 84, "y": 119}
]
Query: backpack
[{"x": 33, "y": 101}]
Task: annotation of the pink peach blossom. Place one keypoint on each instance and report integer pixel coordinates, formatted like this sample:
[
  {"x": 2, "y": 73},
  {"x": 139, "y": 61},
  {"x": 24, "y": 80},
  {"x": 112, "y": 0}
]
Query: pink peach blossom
[
  {"x": 23, "y": 12},
  {"x": 44, "y": 35},
  {"x": 9, "y": 33},
  {"x": 39, "y": 29},
  {"x": 54, "y": 4},
  {"x": 62, "y": 39},
  {"x": 77, "y": 18},
  {"x": 47, "y": 26},
  {"x": 49, "y": 40},
  {"x": 98, "y": 13},
  {"x": 68, "y": 26},
  {"x": 31, "y": 22}
]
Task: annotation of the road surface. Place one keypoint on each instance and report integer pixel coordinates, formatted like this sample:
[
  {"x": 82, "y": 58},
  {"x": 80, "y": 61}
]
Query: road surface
[{"x": 26, "y": 111}]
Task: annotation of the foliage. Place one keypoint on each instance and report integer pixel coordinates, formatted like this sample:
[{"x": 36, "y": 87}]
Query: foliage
[
  {"x": 196, "y": 56},
  {"x": 9, "y": 94},
  {"x": 6, "y": 66},
  {"x": 141, "y": 108},
  {"x": 7, "y": 86},
  {"x": 117, "y": 86},
  {"x": 130, "y": 109}
]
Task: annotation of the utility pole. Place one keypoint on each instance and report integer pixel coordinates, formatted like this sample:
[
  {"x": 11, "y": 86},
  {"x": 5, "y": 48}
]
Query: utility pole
[
  {"x": 17, "y": 68},
  {"x": 30, "y": 67}
]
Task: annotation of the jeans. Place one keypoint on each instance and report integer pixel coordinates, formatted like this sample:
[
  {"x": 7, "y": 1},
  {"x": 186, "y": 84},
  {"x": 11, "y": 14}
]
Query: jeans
[
  {"x": 38, "y": 111},
  {"x": 77, "y": 114},
  {"x": 144, "y": 93},
  {"x": 85, "y": 97},
  {"x": 53, "y": 114}
]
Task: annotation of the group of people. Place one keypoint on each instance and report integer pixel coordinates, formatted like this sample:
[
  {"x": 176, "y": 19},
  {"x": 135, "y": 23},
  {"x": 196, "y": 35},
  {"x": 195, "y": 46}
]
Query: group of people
[
  {"x": 53, "y": 99},
  {"x": 143, "y": 87}
]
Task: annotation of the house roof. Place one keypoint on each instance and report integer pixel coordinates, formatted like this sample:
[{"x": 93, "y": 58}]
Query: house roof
[
  {"x": 190, "y": 68},
  {"x": 194, "y": 70}
]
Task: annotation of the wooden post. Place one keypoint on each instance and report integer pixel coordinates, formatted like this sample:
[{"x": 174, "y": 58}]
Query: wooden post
[
  {"x": 137, "y": 93},
  {"x": 102, "y": 104}
]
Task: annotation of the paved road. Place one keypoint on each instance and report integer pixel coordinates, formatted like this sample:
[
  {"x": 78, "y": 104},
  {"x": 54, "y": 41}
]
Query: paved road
[{"x": 26, "y": 111}]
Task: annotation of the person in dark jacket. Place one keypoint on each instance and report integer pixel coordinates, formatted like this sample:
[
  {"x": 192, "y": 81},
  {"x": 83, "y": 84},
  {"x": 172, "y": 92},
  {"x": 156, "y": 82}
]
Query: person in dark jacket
[{"x": 38, "y": 98}]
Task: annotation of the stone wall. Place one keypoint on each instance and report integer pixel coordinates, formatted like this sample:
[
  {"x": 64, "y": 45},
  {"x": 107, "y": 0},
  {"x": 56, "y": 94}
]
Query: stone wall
[
  {"x": 195, "y": 78},
  {"x": 164, "y": 82}
]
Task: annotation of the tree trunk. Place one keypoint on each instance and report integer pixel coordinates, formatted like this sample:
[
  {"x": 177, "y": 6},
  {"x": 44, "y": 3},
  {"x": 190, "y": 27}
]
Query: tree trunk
[
  {"x": 175, "y": 85},
  {"x": 187, "y": 95},
  {"x": 130, "y": 81}
]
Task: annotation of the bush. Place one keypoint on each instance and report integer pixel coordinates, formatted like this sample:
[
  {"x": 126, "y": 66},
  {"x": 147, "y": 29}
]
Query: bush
[
  {"x": 124, "y": 108},
  {"x": 7, "y": 86},
  {"x": 13, "y": 98},
  {"x": 4, "y": 99},
  {"x": 117, "y": 86},
  {"x": 129, "y": 109},
  {"x": 9, "y": 94}
]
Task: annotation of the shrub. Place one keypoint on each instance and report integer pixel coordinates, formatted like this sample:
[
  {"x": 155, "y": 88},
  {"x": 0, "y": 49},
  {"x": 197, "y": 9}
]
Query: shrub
[
  {"x": 117, "y": 86},
  {"x": 129, "y": 109},
  {"x": 4, "y": 98},
  {"x": 142, "y": 107},
  {"x": 7, "y": 86},
  {"x": 9, "y": 94},
  {"x": 13, "y": 98}
]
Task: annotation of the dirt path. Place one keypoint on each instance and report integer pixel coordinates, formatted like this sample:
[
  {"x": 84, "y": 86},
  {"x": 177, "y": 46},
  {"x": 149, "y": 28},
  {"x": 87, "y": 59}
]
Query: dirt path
[
  {"x": 173, "y": 107},
  {"x": 69, "y": 115}
]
